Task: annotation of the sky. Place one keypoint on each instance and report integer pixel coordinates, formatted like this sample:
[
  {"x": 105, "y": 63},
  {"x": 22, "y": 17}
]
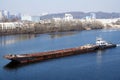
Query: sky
[{"x": 37, "y": 7}]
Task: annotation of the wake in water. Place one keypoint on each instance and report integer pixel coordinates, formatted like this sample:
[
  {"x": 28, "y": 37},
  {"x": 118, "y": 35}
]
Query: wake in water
[
  {"x": 110, "y": 30},
  {"x": 118, "y": 44}
]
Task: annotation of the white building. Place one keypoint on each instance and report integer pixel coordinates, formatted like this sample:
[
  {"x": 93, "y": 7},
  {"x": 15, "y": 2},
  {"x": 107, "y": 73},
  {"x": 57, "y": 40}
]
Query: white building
[
  {"x": 88, "y": 18},
  {"x": 10, "y": 25},
  {"x": 68, "y": 17},
  {"x": 36, "y": 18},
  {"x": 57, "y": 19},
  {"x": 108, "y": 21},
  {"x": 30, "y": 18},
  {"x": 26, "y": 18},
  {"x": 6, "y": 14},
  {"x": 18, "y": 15},
  {"x": 93, "y": 15}
]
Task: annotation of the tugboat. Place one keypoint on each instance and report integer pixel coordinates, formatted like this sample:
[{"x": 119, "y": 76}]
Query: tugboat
[
  {"x": 102, "y": 44},
  {"x": 34, "y": 57}
]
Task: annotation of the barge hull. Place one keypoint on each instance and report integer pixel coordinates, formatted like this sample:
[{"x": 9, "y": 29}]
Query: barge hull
[
  {"x": 41, "y": 56},
  {"x": 105, "y": 47},
  {"x": 35, "y": 57}
]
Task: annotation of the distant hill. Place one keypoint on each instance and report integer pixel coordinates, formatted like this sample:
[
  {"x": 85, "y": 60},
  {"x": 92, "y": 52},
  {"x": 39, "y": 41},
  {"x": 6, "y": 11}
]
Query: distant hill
[{"x": 80, "y": 15}]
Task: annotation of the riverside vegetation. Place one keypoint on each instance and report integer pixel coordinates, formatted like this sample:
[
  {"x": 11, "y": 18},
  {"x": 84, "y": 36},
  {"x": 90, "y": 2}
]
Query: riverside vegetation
[{"x": 52, "y": 26}]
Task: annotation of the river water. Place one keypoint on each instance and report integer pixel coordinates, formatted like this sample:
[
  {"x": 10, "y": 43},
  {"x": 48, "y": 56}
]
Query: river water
[{"x": 100, "y": 65}]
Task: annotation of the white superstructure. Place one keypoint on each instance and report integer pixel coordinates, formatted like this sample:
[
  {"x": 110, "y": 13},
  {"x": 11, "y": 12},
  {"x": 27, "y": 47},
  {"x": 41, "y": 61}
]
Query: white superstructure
[{"x": 101, "y": 42}]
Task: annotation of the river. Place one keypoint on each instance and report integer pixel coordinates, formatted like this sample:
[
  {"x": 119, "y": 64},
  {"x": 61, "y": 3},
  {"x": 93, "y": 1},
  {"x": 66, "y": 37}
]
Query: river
[{"x": 100, "y": 65}]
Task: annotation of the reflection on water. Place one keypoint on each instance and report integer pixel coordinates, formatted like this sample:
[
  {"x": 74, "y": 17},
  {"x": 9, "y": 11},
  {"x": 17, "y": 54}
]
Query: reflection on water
[
  {"x": 6, "y": 40},
  {"x": 99, "y": 56},
  {"x": 15, "y": 65},
  {"x": 110, "y": 30},
  {"x": 12, "y": 65},
  {"x": 62, "y": 34}
]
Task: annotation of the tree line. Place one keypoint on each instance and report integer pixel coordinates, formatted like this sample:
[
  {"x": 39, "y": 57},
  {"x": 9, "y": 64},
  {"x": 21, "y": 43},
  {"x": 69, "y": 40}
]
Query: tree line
[{"x": 52, "y": 26}]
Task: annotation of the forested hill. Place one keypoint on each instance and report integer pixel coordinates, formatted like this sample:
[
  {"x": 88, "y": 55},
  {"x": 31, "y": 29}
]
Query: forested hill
[{"x": 80, "y": 15}]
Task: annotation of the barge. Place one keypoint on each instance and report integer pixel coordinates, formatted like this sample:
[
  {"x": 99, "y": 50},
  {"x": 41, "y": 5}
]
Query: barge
[{"x": 35, "y": 57}]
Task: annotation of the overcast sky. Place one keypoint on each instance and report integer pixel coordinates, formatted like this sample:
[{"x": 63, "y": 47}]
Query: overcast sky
[{"x": 36, "y": 7}]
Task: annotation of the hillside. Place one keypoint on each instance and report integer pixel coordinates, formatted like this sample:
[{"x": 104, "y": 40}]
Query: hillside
[{"x": 80, "y": 15}]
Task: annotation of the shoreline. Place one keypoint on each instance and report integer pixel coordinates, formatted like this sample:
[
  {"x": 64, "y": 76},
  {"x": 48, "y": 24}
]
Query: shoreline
[
  {"x": 42, "y": 28},
  {"x": 7, "y": 34}
]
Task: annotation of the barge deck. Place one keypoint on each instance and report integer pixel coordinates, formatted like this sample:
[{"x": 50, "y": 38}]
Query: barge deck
[{"x": 34, "y": 57}]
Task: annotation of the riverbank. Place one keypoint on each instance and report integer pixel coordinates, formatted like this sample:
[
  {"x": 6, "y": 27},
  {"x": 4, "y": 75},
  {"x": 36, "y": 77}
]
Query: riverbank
[{"x": 53, "y": 26}]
